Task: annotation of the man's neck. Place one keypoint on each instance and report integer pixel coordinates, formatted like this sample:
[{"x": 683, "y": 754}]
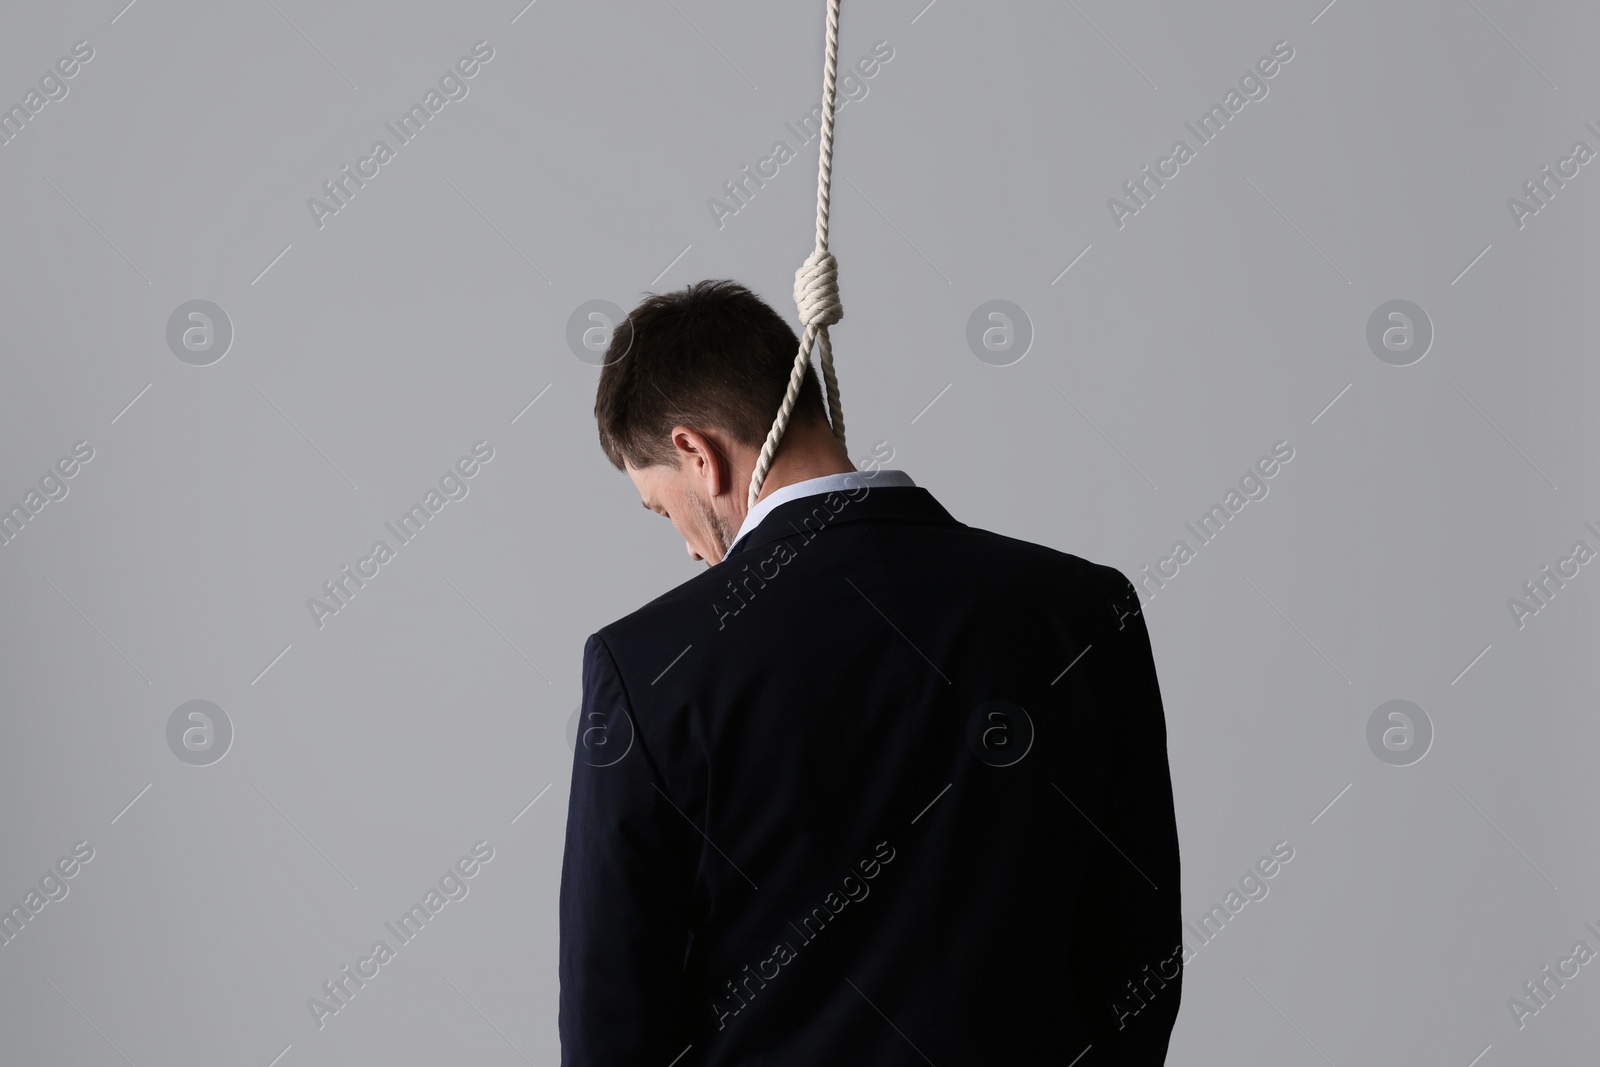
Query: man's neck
[{"x": 809, "y": 451}]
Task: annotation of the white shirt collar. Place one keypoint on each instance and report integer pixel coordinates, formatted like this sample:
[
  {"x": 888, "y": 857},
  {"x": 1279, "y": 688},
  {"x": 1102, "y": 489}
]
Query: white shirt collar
[{"x": 828, "y": 483}]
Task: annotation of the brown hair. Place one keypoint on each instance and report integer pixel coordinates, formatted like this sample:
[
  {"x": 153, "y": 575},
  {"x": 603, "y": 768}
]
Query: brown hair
[{"x": 711, "y": 355}]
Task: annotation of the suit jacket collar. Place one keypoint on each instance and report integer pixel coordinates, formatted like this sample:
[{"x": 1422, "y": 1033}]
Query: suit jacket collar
[{"x": 806, "y": 516}]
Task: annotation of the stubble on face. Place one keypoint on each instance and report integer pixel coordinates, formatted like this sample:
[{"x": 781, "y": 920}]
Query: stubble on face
[{"x": 716, "y": 526}]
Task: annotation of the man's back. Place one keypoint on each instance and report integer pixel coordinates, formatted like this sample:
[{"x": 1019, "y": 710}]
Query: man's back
[{"x": 878, "y": 788}]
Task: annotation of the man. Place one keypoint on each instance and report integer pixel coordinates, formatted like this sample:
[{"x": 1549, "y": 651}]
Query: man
[{"x": 875, "y": 788}]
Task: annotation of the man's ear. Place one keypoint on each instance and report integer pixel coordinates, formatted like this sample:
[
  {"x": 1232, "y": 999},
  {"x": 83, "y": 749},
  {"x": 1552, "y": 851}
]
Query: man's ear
[{"x": 703, "y": 458}]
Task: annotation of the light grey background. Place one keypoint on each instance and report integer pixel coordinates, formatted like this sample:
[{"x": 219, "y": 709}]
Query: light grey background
[{"x": 425, "y": 316}]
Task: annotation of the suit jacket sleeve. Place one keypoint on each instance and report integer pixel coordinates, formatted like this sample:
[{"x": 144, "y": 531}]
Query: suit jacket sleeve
[
  {"x": 1129, "y": 959},
  {"x": 624, "y": 888}
]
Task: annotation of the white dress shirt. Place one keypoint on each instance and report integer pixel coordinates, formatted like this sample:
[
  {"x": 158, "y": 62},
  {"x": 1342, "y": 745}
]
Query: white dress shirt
[{"x": 849, "y": 481}]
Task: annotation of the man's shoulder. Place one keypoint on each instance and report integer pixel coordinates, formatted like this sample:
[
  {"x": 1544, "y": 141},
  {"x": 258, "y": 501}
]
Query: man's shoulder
[
  {"x": 667, "y": 613},
  {"x": 982, "y": 555},
  {"x": 1075, "y": 585},
  {"x": 1066, "y": 566}
]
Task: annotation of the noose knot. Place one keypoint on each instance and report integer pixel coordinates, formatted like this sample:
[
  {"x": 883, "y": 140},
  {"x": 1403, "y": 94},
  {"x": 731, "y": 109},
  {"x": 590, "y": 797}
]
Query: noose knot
[{"x": 816, "y": 289}]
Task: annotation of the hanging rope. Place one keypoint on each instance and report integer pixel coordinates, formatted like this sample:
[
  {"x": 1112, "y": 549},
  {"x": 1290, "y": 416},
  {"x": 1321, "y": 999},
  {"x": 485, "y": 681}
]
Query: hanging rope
[{"x": 816, "y": 284}]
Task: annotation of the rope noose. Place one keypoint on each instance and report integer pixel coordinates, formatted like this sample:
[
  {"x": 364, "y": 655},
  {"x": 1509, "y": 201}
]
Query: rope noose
[{"x": 816, "y": 284}]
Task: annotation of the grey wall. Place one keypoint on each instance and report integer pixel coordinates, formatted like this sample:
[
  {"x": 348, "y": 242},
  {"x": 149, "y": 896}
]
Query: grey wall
[{"x": 370, "y": 352}]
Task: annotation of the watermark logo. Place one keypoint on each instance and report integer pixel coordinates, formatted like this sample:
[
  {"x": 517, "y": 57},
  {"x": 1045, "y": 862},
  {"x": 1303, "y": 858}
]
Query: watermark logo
[
  {"x": 52, "y": 87},
  {"x": 741, "y": 189},
  {"x": 199, "y": 733},
  {"x": 199, "y": 333},
  {"x": 53, "y": 888},
  {"x": 1252, "y": 888},
  {"x": 1000, "y": 733},
  {"x": 451, "y": 887},
  {"x": 1252, "y": 487},
  {"x": 1252, "y": 86},
  {"x": 52, "y": 487},
  {"x": 1542, "y": 187},
  {"x": 1399, "y": 733},
  {"x": 1542, "y": 587},
  {"x": 999, "y": 332},
  {"x": 453, "y": 485},
  {"x": 744, "y": 587},
  {"x": 1399, "y": 333},
  {"x": 342, "y": 188},
  {"x": 1542, "y": 989},
  {"x": 737, "y": 993},
  {"x": 605, "y": 738},
  {"x": 599, "y": 332}
]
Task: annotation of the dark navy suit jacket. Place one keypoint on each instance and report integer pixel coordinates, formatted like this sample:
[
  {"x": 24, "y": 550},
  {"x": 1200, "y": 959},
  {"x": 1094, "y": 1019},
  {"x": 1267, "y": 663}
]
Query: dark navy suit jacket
[{"x": 879, "y": 788}]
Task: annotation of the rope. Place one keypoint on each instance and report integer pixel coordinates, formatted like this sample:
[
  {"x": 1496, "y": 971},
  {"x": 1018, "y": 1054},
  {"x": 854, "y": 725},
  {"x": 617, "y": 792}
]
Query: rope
[{"x": 816, "y": 284}]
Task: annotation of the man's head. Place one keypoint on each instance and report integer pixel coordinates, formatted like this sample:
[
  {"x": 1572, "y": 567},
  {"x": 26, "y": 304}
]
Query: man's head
[{"x": 688, "y": 392}]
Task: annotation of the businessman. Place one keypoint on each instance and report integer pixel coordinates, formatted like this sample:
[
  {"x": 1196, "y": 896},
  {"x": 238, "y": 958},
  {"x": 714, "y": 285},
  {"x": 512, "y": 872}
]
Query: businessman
[{"x": 877, "y": 787}]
